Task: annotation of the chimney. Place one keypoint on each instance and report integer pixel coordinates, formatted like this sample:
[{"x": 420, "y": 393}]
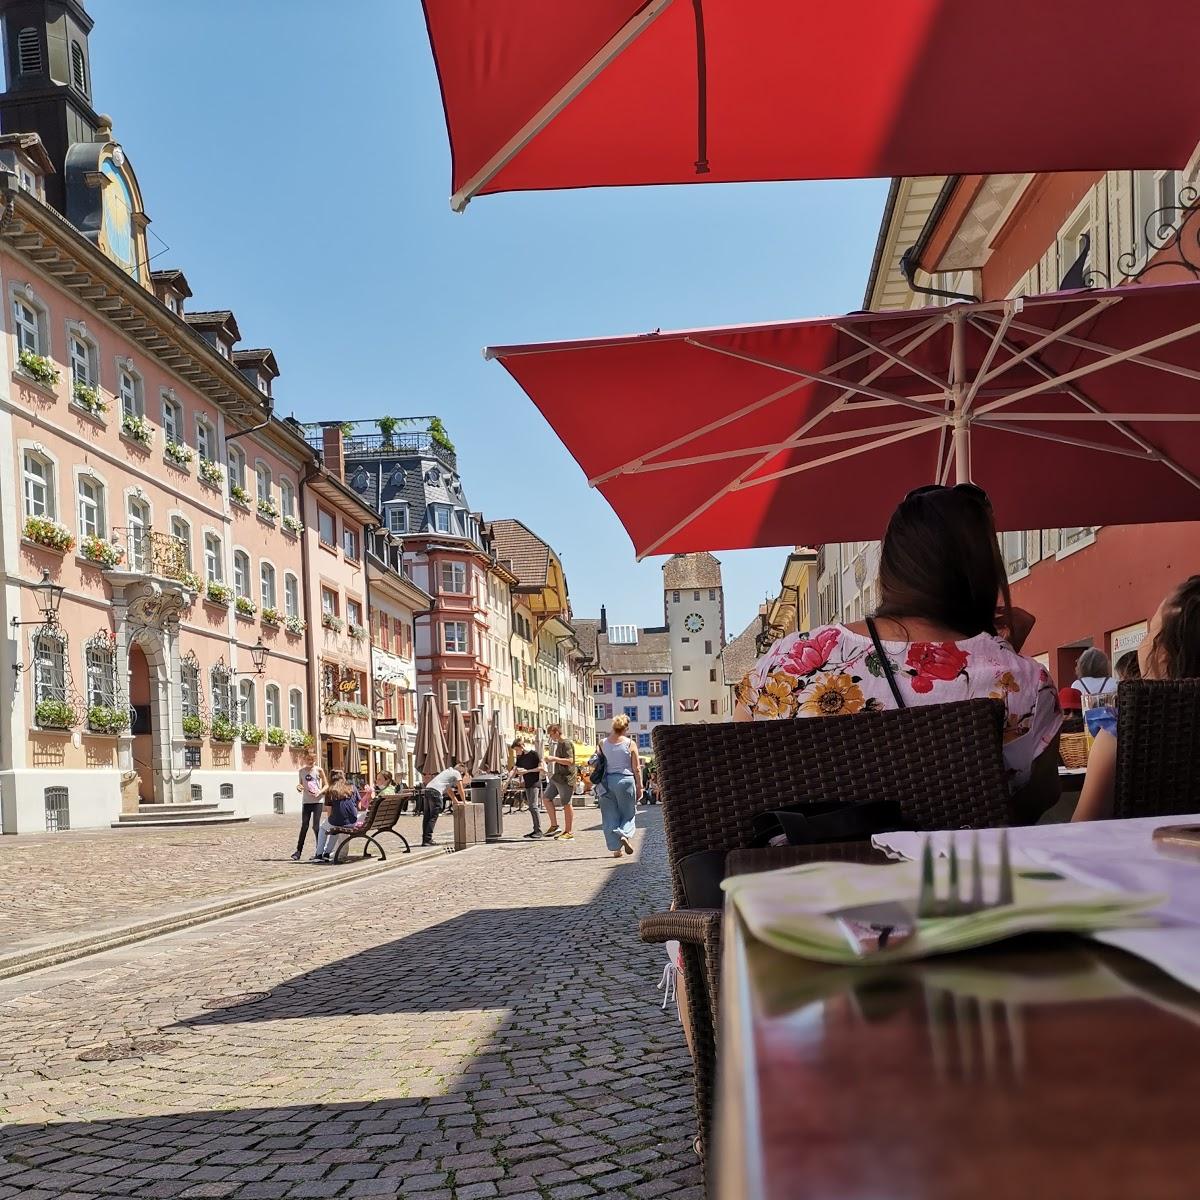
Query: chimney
[
  {"x": 603, "y": 619},
  {"x": 331, "y": 449}
]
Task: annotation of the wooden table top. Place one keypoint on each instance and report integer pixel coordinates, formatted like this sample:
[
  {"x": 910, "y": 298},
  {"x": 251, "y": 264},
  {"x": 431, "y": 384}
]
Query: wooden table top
[{"x": 1047, "y": 1068}]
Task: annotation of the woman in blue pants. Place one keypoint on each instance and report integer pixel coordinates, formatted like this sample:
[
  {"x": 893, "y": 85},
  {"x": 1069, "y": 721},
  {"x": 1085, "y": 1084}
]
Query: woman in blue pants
[{"x": 622, "y": 788}]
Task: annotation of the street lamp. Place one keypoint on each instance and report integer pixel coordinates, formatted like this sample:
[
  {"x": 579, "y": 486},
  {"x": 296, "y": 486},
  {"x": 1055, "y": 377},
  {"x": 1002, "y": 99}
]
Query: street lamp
[
  {"x": 258, "y": 655},
  {"x": 48, "y": 597}
]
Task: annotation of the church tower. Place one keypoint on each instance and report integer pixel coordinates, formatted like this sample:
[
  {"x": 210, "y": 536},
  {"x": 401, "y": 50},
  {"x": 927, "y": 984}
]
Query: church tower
[
  {"x": 48, "y": 80},
  {"x": 694, "y": 601}
]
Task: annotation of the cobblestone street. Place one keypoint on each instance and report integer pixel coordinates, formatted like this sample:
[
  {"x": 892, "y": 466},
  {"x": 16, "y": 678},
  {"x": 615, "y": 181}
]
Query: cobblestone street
[{"x": 483, "y": 1024}]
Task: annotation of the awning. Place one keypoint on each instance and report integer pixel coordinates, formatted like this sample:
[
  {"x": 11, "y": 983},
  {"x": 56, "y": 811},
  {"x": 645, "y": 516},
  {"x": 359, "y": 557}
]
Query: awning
[
  {"x": 549, "y": 94},
  {"x": 1072, "y": 409}
]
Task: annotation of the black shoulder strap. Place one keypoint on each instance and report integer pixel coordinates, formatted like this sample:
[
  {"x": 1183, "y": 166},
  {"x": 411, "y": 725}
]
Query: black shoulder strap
[{"x": 884, "y": 663}]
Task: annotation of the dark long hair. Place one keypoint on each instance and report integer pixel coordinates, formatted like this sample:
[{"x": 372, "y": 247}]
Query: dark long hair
[
  {"x": 941, "y": 561},
  {"x": 1177, "y": 646}
]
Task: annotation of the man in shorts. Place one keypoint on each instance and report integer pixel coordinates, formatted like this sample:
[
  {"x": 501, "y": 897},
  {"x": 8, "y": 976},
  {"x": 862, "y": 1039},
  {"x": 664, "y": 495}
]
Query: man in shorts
[
  {"x": 560, "y": 786},
  {"x": 529, "y": 765}
]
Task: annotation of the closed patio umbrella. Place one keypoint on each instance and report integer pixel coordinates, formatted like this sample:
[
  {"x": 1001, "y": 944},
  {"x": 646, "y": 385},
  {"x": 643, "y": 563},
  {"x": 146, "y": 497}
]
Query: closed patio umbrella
[
  {"x": 1071, "y": 409},
  {"x": 493, "y": 759},
  {"x": 545, "y": 94},
  {"x": 458, "y": 745},
  {"x": 353, "y": 756},
  {"x": 477, "y": 735},
  {"x": 430, "y": 753}
]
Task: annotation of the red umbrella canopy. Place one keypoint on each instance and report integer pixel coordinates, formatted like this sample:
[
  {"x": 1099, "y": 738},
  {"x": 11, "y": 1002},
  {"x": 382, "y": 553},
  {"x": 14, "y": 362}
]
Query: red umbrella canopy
[
  {"x": 1074, "y": 408},
  {"x": 549, "y": 94}
]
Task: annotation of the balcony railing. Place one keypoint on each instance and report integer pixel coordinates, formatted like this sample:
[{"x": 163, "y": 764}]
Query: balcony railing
[
  {"x": 357, "y": 446},
  {"x": 148, "y": 552}
]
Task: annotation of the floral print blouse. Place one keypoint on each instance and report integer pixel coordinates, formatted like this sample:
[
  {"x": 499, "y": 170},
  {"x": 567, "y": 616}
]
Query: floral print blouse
[{"x": 832, "y": 671}]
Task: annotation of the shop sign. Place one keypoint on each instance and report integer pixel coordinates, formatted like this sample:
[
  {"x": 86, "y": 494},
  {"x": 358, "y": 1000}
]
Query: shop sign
[{"x": 1129, "y": 638}]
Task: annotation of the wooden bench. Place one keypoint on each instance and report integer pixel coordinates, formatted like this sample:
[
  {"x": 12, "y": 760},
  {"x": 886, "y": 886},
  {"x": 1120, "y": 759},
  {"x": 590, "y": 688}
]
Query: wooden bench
[{"x": 380, "y": 817}]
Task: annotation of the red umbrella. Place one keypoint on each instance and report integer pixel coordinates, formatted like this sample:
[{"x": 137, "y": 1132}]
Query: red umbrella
[
  {"x": 1074, "y": 408},
  {"x": 559, "y": 94}
]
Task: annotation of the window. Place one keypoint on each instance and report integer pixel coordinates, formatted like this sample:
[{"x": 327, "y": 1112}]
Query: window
[
  {"x": 273, "y": 713},
  {"x": 397, "y": 518},
  {"x": 241, "y": 574},
  {"x": 295, "y": 709},
  {"x": 78, "y": 68},
  {"x": 101, "y": 675},
  {"x": 354, "y": 613},
  {"x": 458, "y": 691},
  {"x": 695, "y": 595},
  {"x": 441, "y": 518},
  {"x": 38, "y": 473},
  {"x": 138, "y": 521},
  {"x": 712, "y": 707},
  {"x": 246, "y": 710},
  {"x": 219, "y": 682},
  {"x": 326, "y": 528},
  {"x": 656, "y": 712},
  {"x": 182, "y": 532},
  {"x": 291, "y": 595},
  {"x": 712, "y": 593},
  {"x": 643, "y": 741},
  {"x": 686, "y": 667},
  {"x": 172, "y": 419},
  {"x": 28, "y": 326},
  {"x": 602, "y": 712},
  {"x": 454, "y": 637},
  {"x": 262, "y": 481},
  {"x": 91, "y": 506},
  {"x": 656, "y": 688},
  {"x": 349, "y": 542},
  {"x": 287, "y": 498},
  {"x": 49, "y": 668},
  {"x": 266, "y": 582},
  {"x": 630, "y": 710},
  {"x": 29, "y": 51},
  {"x": 80, "y": 353},
  {"x": 454, "y": 577},
  {"x": 129, "y": 388},
  {"x": 237, "y": 466},
  {"x": 707, "y": 646},
  {"x": 329, "y": 602},
  {"x": 189, "y": 688},
  {"x": 58, "y": 809},
  {"x": 674, "y": 597},
  {"x": 206, "y": 439},
  {"x": 213, "y": 570},
  {"x": 712, "y": 675}
]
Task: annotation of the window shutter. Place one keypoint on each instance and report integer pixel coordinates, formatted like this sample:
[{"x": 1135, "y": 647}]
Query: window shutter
[
  {"x": 1121, "y": 233},
  {"x": 664, "y": 685},
  {"x": 1051, "y": 539},
  {"x": 1033, "y": 546}
]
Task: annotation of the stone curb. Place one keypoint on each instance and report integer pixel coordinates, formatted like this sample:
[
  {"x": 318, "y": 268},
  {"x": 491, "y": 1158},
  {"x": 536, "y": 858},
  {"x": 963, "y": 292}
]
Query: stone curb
[{"x": 38, "y": 958}]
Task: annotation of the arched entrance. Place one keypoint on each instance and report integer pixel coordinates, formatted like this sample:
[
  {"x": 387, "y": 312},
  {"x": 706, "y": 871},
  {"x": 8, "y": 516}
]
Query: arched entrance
[{"x": 141, "y": 711}]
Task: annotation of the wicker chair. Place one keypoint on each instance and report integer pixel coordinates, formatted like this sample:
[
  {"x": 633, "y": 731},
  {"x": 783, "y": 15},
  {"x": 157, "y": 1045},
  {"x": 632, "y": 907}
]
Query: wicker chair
[
  {"x": 942, "y": 762},
  {"x": 1158, "y": 748}
]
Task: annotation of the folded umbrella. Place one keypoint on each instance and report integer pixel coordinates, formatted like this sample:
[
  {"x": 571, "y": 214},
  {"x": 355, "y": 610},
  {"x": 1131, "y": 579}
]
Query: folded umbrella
[
  {"x": 458, "y": 745},
  {"x": 430, "y": 755},
  {"x": 493, "y": 760}
]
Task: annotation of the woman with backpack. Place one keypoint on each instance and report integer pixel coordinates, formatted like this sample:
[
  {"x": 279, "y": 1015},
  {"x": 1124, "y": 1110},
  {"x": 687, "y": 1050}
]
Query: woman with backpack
[{"x": 621, "y": 788}]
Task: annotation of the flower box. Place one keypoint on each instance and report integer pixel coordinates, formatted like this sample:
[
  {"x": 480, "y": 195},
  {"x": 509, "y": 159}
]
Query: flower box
[
  {"x": 137, "y": 429},
  {"x": 191, "y": 580},
  {"x": 223, "y": 729},
  {"x": 38, "y": 367},
  {"x": 211, "y": 473},
  {"x": 245, "y": 606},
  {"x": 251, "y": 735},
  {"x": 103, "y": 719},
  {"x": 177, "y": 453},
  {"x": 194, "y": 727},
  {"x": 272, "y": 616},
  {"x": 55, "y": 714},
  {"x": 88, "y": 398},
  {"x": 268, "y": 509},
  {"x": 330, "y": 621},
  {"x": 357, "y": 632},
  {"x": 295, "y": 625},
  {"x": 97, "y": 550},
  {"x": 299, "y": 740},
  {"x": 218, "y": 593},
  {"x": 276, "y": 738},
  {"x": 348, "y": 708},
  {"x": 293, "y": 525},
  {"x": 48, "y": 533},
  {"x": 239, "y": 495}
]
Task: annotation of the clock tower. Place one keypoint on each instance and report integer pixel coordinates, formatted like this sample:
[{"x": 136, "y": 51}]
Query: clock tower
[{"x": 694, "y": 601}]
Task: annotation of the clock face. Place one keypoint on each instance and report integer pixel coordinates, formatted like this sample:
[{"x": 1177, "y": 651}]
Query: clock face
[{"x": 693, "y": 622}]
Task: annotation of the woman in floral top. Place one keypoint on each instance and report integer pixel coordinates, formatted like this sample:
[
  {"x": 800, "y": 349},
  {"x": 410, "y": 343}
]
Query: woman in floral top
[{"x": 945, "y": 624}]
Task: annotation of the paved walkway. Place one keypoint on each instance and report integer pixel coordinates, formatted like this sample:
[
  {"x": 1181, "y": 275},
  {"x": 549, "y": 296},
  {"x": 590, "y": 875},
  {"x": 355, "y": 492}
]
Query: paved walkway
[{"x": 484, "y": 1024}]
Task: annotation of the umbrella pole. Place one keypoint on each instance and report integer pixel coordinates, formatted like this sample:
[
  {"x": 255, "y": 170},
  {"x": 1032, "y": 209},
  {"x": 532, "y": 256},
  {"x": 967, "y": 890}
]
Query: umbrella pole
[{"x": 959, "y": 388}]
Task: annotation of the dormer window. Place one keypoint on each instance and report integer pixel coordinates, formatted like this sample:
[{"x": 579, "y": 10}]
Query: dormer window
[
  {"x": 434, "y": 476},
  {"x": 441, "y": 518},
  {"x": 173, "y": 303}
]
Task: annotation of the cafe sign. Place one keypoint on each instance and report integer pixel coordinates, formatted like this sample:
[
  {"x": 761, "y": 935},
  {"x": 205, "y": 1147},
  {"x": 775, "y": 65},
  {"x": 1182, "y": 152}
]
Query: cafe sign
[{"x": 1129, "y": 638}]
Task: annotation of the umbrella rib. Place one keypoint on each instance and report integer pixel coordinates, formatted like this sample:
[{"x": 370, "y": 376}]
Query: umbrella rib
[
  {"x": 1091, "y": 368},
  {"x": 615, "y": 46},
  {"x": 997, "y": 340},
  {"x": 1101, "y": 348},
  {"x": 922, "y": 427},
  {"x": 923, "y": 331},
  {"x": 1064, "y": 439},
  {"x": 1114, "y": 419},
  {"x": 929, "y": 376},
  {"x": 1054, "y": 336}
]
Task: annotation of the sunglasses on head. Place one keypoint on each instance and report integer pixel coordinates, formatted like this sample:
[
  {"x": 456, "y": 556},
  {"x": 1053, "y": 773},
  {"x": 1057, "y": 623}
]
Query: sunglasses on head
[{"x": 968, "y": 489}]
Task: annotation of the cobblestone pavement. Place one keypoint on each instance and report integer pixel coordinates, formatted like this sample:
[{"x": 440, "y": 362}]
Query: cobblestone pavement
[
  {"x": 71, "y": 883},
  {"x": 485, "y": 1024}
]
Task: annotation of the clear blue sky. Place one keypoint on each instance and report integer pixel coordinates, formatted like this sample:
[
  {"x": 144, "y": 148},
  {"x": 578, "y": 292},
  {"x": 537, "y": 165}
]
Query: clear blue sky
[{"x": 293, "y": 157}]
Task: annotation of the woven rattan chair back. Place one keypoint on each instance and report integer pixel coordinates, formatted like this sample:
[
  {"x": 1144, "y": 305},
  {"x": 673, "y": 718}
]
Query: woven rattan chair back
[
  {"x": 943, "y": 763},
  {"x": 1158, "y": 748}
]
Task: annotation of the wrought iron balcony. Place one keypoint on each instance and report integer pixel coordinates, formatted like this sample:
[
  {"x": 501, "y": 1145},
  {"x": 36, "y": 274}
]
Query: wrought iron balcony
[{"x": 148, "y": 552}]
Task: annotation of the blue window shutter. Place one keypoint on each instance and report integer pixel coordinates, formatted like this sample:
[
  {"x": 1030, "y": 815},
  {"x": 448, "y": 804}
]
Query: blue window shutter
[
  {"x": 664, "y": 687},
  {"x": 643, "y": 688}
]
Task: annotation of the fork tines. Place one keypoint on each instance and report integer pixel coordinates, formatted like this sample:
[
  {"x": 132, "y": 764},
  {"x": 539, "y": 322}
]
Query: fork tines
[{"x": 954, "y": 905}]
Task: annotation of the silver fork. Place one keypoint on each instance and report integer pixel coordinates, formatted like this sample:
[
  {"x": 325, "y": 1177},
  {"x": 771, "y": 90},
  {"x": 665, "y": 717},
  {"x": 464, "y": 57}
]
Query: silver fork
[{"x": 955, "y": 905}]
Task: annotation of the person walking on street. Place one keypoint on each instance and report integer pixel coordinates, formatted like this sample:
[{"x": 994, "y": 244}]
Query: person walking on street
[
  {"x": 311, "y": 787},
  {"x": 560, "y": 787},
  {"x": 444, "y": 784},
  {"x": 622, "y": 788},
  {"x": 529, "y": 765}
]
